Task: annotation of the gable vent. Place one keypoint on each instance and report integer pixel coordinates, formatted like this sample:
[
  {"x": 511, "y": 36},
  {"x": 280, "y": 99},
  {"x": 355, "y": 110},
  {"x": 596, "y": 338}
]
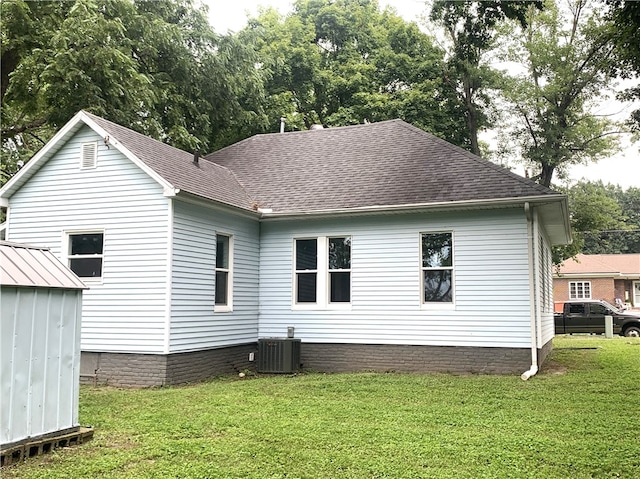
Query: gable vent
[{"x": 88, "y": 155}]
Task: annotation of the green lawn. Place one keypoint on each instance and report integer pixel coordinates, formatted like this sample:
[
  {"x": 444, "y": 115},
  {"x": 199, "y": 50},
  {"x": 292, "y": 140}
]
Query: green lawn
[{"x": 578, "y": 418}]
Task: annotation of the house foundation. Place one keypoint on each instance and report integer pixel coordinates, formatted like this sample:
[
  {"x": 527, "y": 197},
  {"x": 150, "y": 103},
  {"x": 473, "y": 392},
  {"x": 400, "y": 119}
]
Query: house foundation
[
  {"x": 418, "y": 359},
  {"x": 148, "y": 370}
]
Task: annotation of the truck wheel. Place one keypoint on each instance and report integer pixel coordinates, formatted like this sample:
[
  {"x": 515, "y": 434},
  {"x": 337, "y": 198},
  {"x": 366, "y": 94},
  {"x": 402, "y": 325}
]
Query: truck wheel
[{"x": 632, "y": 332}]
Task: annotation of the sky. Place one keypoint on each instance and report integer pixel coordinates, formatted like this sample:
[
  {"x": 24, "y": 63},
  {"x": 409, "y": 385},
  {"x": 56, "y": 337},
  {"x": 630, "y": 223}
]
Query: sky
[{"x": 621, "y": 169}]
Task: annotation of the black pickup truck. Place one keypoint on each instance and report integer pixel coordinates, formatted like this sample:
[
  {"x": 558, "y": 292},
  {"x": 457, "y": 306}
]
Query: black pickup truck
[{"x": 588, "y": 317}]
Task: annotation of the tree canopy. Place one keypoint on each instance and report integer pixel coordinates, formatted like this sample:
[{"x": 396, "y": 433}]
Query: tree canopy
[
  {"x": 471, "y": 28},
  {"x": 340, "y": 62},
  {"x": 155, "y": 66},
  {"x": 569, "y": 64}
]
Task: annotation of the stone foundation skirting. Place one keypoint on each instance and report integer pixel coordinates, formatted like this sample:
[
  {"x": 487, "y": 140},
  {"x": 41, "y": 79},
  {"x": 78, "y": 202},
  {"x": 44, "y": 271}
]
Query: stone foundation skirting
[
  {"x": 146, "y": 370},
  {"x": 418, "y": 359}
]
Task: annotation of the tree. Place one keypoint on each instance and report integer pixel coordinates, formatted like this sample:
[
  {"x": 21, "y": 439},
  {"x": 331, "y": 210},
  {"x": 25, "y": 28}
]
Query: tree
[
  {"x": 623, "y": 237},
  {"x": 569, "y": 64},
  {"x": 625, "y": 18},
  {"x": 471, "y": 29},
  {"x": 345, "y": 61},
  {"x": 593, "y": 209},
  {"x": 154, "y": 66}
]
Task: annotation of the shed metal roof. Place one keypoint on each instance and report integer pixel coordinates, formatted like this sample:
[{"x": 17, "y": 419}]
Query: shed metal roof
[{"x": 33, "y": 266}]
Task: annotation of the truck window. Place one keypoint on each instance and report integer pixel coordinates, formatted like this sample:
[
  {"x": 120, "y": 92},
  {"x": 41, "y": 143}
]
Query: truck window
[
  {"x": 599, "y": 309},
  {"x": 576, "y": 308}
]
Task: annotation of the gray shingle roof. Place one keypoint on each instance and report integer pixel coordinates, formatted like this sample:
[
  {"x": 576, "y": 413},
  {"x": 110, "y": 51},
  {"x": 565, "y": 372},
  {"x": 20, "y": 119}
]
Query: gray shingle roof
[
  {"x": 207, "y": 179},
  {"x": 390, "y": 163}
]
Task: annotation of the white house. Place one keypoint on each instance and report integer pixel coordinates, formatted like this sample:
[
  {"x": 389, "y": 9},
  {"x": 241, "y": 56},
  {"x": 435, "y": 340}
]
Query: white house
[{"x": 385, "y": 248}]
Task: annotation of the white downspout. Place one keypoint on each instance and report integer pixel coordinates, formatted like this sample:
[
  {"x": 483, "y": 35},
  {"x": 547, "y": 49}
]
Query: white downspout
[{"x": 530, "y": 244}]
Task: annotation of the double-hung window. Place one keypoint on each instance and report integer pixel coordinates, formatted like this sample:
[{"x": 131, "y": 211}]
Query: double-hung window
[
  {"x": 580, "y": 290},
  {"x": 437, "y": 268},
  {"x": 85, "y": 254},
  {"x": 322, "y": 272},
  {"x": 224, "y": 279}
]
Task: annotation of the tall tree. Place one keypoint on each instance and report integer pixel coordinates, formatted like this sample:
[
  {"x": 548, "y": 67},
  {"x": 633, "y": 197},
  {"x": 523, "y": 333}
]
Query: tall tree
[
  {"x": 155, "y": 66},
  {"x": 625, "y": 17},
  {"x": 339, "y": 62},
  {"x": 471, "y": 28},
  {"x": 569, "y": 64}
]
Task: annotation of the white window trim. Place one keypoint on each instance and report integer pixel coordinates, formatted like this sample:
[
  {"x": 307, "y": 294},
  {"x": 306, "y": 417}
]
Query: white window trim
[
  {"x": 430, "y": 306},
  {"x": 323, "y": 293},
  {"x": 94, "y": 162},
  {"x": 226, "y": 308},
  {"x": 65, "y": 256},
  {"x": 571, "y": 297}
]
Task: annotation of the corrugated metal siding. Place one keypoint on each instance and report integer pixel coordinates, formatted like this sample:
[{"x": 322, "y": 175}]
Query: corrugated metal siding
[
  {"x": 126, "y": 313},
  {"x": 40, "y": 361},
  {"x": 23, "y": 265},
  {"x": 194, "y": 325},
  {"x": 492, "y": 305}
]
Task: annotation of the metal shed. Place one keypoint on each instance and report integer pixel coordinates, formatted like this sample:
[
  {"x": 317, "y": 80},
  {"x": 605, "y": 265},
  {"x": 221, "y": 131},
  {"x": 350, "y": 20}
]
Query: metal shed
[{"x": 40, "y": 316}]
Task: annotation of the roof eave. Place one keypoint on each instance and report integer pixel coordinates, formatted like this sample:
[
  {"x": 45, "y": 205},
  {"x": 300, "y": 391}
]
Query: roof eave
[{"x": 413, "y": 207}]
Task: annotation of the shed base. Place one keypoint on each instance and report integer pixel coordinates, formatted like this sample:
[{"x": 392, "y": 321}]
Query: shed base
[{"x": 35, "y": 446}]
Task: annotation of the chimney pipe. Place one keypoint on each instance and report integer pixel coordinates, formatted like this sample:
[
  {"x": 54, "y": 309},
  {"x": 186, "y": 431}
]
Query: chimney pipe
[
  {"x": 196, "y": 157},
  {"x": 282, "y": 120}
]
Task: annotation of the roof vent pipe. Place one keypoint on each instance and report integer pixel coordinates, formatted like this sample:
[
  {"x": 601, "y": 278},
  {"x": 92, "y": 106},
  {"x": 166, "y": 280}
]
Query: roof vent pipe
[
  {"x": 196, "y": 157},
  {"x": 282, "y": 120}
]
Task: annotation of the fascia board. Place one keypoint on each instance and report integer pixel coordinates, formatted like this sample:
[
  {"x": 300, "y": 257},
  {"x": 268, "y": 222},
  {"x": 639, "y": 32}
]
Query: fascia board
[{"x": 416, "y": 208}]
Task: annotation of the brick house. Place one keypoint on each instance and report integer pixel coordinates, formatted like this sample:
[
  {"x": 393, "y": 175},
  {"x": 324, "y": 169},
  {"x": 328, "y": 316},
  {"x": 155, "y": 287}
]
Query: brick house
[{"x": 611, "y": 277}]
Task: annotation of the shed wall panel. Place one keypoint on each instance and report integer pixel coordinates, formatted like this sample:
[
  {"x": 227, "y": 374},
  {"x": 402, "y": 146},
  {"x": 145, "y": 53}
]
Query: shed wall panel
[
  {"x": 126, "y": 311},
  {"x": 40, "y": 341},
  {"x": 492, "y": 303},
  {"x": 194, "y": 323}
]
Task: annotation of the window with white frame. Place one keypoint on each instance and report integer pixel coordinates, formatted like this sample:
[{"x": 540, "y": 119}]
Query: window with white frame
[
  {"x": 322, "y": 271},
  {"x": 85, "y": 254},
  {"x": 88, "y": 155},
  {"x": 339, "y": 269},
  {"x": 580, "y": 290},
  {"x": 437, "y": 267},
  {"x": 224, "y": 280}
]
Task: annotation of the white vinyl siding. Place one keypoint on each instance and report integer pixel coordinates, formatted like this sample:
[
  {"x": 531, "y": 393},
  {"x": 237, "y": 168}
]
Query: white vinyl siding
[
  {"x": 492, "y": 289},
  {"x": 127, "y": 312},
  {"x": 544, "y": 273},
  {"x": 194, "y": 324}
]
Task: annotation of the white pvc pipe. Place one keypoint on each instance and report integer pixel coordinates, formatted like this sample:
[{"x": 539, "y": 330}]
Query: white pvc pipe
[
  {"x": 527, "y": 374},
  {"x": 530, "y": 240}
]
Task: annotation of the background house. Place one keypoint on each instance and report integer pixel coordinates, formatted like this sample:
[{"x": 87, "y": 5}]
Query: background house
[
  {"x": 383, "y": 246},
  {"x": 599, "y": 276},
  {"x": 41, "y": 310}
]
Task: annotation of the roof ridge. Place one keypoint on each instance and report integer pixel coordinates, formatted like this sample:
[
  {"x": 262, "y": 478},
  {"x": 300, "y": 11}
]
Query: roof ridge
[{"x": 299, "y": 132}]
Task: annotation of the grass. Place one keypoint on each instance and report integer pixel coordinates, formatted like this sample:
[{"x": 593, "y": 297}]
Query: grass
[{"x": 577, "y": 418}]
